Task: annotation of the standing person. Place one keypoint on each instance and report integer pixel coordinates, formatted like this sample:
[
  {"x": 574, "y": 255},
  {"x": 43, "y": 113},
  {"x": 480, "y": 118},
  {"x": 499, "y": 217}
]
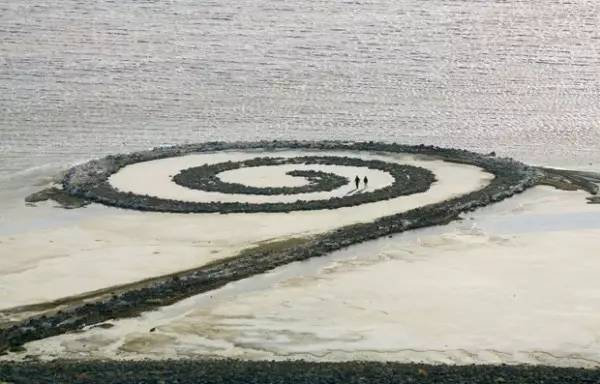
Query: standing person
[
  {"x": 366, "y": 181},
  {"x": 357, "y": 181}
]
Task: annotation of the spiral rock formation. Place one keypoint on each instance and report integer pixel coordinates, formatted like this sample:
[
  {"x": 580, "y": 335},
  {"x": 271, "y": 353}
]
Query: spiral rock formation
[{"x": 269, "y": 177}]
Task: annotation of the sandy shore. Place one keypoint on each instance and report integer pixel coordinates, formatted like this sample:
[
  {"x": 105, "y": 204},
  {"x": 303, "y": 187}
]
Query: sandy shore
[{"x": 512, "y": 283}]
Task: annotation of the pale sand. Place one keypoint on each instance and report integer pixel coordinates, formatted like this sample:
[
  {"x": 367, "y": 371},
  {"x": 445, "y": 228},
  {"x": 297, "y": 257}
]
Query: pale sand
[
  {"x": 484, "y": 290},
  {"x": 66, "y": 253}
]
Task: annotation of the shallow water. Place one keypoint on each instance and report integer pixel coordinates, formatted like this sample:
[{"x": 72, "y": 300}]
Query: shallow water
[{"x": 82, "y": 79}]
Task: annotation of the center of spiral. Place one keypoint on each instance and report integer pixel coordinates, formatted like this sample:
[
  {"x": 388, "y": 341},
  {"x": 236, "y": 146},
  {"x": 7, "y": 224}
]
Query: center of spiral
[{"x": 206, "y": 177}]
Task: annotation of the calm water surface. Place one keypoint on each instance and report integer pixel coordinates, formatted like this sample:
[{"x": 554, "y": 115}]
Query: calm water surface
[{"x": 80, "y": 79}]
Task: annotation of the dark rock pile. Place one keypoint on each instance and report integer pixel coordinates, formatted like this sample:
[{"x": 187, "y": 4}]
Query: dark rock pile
[
  {"x": 293, "y": 372},
  {"x": 65, "y": 200}
]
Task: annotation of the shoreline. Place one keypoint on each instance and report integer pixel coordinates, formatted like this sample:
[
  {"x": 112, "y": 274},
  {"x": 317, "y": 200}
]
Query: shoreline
[{"x": 511, "y": 178}]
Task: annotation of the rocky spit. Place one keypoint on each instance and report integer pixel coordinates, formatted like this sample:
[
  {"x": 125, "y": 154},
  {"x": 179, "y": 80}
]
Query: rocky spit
[{"x": 89, "y": 183}]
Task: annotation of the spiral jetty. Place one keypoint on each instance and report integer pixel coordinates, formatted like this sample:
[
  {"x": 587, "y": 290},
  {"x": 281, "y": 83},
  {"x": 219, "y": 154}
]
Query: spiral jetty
[{"x": 88, "y": 182}]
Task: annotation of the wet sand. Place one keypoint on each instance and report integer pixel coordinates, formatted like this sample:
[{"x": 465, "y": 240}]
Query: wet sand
[{"x": 484, "y": 290}]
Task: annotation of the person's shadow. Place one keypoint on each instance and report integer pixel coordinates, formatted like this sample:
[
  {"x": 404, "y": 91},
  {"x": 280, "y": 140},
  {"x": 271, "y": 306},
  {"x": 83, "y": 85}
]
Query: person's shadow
[{"x": 357, "y": 190}]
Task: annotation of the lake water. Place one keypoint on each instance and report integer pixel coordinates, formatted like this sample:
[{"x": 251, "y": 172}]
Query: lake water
[{"x": 81, "y": 79}]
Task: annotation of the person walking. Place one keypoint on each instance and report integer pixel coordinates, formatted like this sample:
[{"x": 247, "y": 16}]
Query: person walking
[
  {"x": 357, "y": 181},
  {"x": 366, "y": 181}
]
